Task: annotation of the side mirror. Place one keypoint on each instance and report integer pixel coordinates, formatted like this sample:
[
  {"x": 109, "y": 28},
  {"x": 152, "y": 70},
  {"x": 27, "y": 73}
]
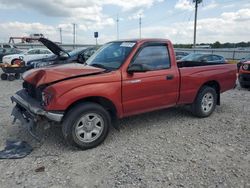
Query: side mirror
[{"x": 137, "y": 68}]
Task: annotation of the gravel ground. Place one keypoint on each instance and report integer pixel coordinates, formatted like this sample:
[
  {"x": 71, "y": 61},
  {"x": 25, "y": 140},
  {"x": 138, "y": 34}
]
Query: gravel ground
[{"x": 167, "y": 148}]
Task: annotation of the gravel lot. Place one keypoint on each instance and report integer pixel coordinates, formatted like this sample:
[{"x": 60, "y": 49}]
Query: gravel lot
[{"x": 167, "y": 148}]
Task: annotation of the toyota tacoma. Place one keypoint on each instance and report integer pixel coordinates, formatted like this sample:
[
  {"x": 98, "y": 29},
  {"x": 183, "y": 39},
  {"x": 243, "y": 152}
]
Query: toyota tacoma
[{"x": 123, "y": 78}]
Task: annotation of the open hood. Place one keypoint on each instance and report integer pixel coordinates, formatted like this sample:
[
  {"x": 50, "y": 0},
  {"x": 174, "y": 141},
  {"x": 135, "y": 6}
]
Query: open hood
[
  {"x": 53, "y": 47},
  {"x": 58, "y": 73}
]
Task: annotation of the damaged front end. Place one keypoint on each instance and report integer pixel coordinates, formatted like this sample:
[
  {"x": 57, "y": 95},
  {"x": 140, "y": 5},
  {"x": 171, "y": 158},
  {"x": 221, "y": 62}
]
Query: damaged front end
[{"x": 29, "y": 111}]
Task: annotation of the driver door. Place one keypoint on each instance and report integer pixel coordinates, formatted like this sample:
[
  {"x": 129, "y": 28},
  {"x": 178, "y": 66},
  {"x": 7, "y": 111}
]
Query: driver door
[{"x": 154, "y": 89}]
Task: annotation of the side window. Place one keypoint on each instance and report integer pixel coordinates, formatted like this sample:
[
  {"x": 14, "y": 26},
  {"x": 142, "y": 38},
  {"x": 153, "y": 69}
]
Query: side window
[
  {"x": 216, "y": 58},
  {"x": 87, "y": 53},
  {"x": 31, "y": 52},
  {"x": 6, "y": 46},
  {"x": 209, "y": 58},
  {"x": 154, "y": 57},
  {"x": 44, "y": 52}
]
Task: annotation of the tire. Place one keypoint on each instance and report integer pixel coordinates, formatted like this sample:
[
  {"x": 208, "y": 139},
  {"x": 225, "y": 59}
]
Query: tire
[
  {"x": 4, "y": 76},
  {"x": 17, "y": 76},
  {"x": 11, "y": 77},
  {"x": 79, "y": 125},
  {"x": 205, "y": 102}
]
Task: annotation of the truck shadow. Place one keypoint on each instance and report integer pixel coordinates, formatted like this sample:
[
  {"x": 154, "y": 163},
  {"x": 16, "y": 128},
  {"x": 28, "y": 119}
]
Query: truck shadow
[
  {"x": 53, "y": 136},
  {"x": 166, "y": 119}
]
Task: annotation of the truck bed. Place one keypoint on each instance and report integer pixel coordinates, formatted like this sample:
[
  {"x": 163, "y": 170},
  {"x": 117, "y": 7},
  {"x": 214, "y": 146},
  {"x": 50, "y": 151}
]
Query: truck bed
[{"x": 194, "y": 75}]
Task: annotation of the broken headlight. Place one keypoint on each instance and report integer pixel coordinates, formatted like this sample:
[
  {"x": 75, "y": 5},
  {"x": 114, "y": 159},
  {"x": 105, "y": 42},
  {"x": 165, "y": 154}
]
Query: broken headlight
[{"x": 46, "y": 98}]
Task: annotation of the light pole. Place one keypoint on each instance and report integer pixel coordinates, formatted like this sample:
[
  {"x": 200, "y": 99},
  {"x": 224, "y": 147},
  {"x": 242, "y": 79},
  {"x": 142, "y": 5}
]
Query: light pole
[
  {"x": 117, "y": 27},
  {"x": 195, "y": 19},
  {"x": 60, "y": 30},
  {"x": 74, "y": 34},
  {"x": 140, "y": 26}
]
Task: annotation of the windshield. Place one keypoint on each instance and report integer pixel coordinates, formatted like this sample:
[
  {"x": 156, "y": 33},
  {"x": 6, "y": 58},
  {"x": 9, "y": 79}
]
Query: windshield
[
  {"x": 111, "y": 55},
  {"x": 76, "y": 51},
  {"x": 192, "y": 57}
]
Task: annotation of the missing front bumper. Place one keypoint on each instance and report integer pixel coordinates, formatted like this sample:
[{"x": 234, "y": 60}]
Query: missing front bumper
[
  {"x": 22, "y": 99},
  {"x": 28, "y": 111}
]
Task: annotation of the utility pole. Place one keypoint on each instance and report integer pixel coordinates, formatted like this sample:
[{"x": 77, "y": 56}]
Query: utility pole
[
  {"x": 117, "y": 27},
  {"x": 195, "y": 19},
  {"x": 60, "y": 30},
  {"x": 140, "y": 26},
  {"x": 74, "y": 34}
]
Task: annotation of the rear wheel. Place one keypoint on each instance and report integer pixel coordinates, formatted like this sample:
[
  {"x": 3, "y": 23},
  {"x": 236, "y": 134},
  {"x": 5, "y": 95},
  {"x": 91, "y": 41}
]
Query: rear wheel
[
  {"x": 205, "y": 102},
  {"x": 86, "y": 125},
  {"x": 4, "y": 76}
]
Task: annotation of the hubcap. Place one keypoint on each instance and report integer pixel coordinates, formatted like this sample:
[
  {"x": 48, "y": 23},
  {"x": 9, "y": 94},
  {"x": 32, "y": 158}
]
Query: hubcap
[
  {"x": 89, "y": 127},
  {"x": 207, "y": 102}
]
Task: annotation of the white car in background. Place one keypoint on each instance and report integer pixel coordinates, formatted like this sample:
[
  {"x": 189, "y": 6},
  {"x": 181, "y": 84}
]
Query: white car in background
[{"x": 31, "y": 54}]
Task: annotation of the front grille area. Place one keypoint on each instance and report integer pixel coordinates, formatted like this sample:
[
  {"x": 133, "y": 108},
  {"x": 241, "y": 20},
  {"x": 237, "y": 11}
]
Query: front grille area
[{"x": 32, "y": 91}]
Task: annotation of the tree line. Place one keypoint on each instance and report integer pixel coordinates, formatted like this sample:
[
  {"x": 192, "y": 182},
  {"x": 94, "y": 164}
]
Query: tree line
[{"x": 216, "y": 44}]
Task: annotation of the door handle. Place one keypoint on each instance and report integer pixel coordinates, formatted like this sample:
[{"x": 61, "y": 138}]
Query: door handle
[
  {"x": 134, "y": 81},
  {"x": 170, "y": 77}
]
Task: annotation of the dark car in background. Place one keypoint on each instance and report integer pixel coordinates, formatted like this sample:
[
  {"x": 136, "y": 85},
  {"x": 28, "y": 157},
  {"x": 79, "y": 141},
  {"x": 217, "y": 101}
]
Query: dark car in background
[
  {"x": 8, "y": 51},
  {"x": 61, "y": 56},
  {"x": 205, "y": 58},
  {"x": 179, "y": 55}
]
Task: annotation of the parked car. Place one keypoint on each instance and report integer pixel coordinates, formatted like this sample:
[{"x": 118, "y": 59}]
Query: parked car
[
  {"x": 245, "y": 59},
  {"x": 8, "y": 51},
  {"x": 60, "y": 55},
  {"x": 179, "y": 55},
  {"x": 206, "y": 58},
  {"x": 34, "y": 53},
  {"x": 121, "y": 79},
  {"x": 7, "y": 45},
  {"x": 244, "y": 74}
]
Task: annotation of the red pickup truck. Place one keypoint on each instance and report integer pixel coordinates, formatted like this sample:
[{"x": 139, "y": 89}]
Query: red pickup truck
[{"x": 121, "y": 79}]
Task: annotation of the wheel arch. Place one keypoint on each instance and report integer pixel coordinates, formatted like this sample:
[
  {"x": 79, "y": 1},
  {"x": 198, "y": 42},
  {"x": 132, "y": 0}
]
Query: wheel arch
[
  {"x": 103, "y": 101},
  {"x": 214, "y": 84}
]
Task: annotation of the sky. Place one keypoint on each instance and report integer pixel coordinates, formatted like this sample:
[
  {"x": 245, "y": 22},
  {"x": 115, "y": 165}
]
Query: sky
[{"x": 218, "y": 20}]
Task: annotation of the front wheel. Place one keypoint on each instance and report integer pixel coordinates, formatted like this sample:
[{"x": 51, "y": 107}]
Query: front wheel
[
  {"x": 86, "y": 125},
  {"x": 205, "y": 102},
  {"x": 4, "y": 76}
]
